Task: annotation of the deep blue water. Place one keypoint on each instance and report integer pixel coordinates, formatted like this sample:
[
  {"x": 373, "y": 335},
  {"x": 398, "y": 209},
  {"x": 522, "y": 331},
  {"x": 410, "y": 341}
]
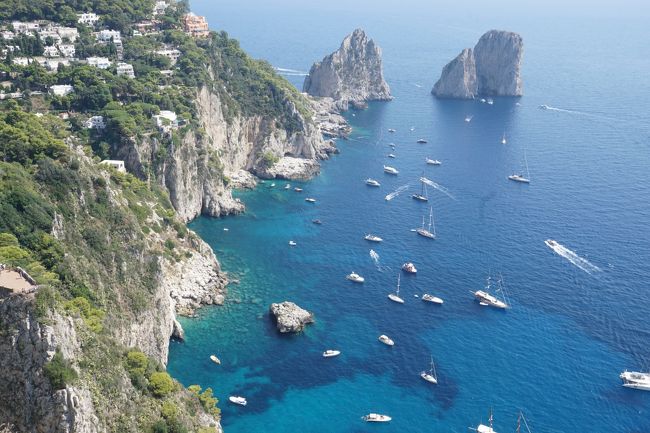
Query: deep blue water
[{"x": 557, "y": 353}]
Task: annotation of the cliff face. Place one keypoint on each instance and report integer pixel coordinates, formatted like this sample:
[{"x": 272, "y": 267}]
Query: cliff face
[
  {"x": 493, "y": 68},
  {"x": 351, "y": 75}
]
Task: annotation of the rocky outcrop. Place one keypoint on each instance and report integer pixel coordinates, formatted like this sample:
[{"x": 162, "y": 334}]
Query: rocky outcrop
[
  {"x": 493, "y": 68},
  {"x": 290, "y": 317},
  {"x": 351, "y": 75},
  {"x": 329, "y": 119}
]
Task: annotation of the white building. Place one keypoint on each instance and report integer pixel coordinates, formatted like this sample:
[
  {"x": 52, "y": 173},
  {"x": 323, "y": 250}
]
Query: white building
[
  {"x": 172, "y": 54},
  {"x": 160, "y": 7},
  {"x": 51, "y": 52},
  {"x": 67, "y": 50},
  {"x": 117, "y": 165},
  {"x": 69, "y": 33},
  {"x": 125, "y": 69},
  {"x": 61, "y": 89},
  {"x": 95, "y": 122},
  {"x": 99, "y": 62},
  {"x": 7, "y": 35},
  {"x": 89, "y": 19},
  {"x": 108, "y": 35},
  {"x": 26, "y": 27},
  {"x": 166, "y": 120},
  {"x": 22, "y": 61},
  {"x": 53, "y": 63}
]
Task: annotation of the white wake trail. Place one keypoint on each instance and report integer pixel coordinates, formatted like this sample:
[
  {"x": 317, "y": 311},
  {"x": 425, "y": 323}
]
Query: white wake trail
[
  {"x": 293, "y": 72},
  {"x": 397, "y": 192},
  {"x": 437, "y": 186},
  {"x": 572, "y": 257}
]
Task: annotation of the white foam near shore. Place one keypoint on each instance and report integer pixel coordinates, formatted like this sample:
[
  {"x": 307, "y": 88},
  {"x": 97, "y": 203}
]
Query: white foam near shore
[{"x": 572, "y": 257}]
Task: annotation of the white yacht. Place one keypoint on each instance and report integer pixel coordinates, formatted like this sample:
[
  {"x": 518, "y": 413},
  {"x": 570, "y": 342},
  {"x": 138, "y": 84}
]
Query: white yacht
[
  {"x": 373, "y": 238},
  {"x": 372, "y": 182},
  {"x": 386, "y": 340},
  {"x": 422, "y": 141},
  {"x": 490, "y": 101},
  {"x": 390, "y": 170},
  {"x": 375, "y": 417},
  {"x": 430, "y": 232},
  {"x": 356, "y": 278},
  {"x": 395, "y": 296},
  {"x": 482, "y": 428},
  {"x": 468, "y": 119},
  {"x": 214, "y": 359},
  {"x": 272, "y": 185},
  {"x": 296, "y": 189},
  {"x": 433, "y": 299},
  {"x": 409, "y": 268},
  {"x": 330, "y": 353},
  {"x": 430, "y": 376},
  {"x": 310, "y": 200},
  {"x": 390, "y": 155},
  {"x": 391, "y": 130},
  {"x": 292, "y": 243},
  {"x": 433, "y": 162},
  {"x": 238, "y": 400},
  {"x": 485, "y": 298},
  {"x": 636, "y": 380},
  {"x": 517, "y": 177},
  {"x": 287, "y": 186}
]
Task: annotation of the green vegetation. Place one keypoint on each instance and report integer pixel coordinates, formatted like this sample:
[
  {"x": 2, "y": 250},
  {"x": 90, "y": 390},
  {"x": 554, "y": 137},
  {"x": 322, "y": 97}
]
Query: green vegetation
[
  {"x": 269, "y": 159},
  {"x": 161, "y": 384},
  {"x": 208, "y": 401},
  {"x": 59, "y": 372},
  {"x": 92, "y": 316}
]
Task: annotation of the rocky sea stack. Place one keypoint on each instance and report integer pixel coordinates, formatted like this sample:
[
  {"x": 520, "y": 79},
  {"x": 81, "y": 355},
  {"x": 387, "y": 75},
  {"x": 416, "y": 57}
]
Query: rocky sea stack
[
  {"x": 493, "y": 68},
  {"x": 351, "y": 75},
  {"x": 290, "y": 317}
]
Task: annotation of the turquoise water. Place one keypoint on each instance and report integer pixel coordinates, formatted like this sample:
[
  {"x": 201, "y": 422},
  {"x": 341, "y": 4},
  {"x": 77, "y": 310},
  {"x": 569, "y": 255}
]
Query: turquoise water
[{"x": 557, "y": 353}]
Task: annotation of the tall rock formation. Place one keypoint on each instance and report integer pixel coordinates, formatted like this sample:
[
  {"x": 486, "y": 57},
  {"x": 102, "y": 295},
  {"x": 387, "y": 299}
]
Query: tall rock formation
[
  {"x": 351, "y": 75},
  {"x": 493, "y": 68}
]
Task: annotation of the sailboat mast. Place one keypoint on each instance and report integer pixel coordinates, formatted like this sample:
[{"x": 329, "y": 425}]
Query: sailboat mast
[
  {"x": 397, "y": 291},
  {"x": 519, "y": 423},
  {"x": 431, "y": 221},
  {"x": 526, "y": 161},
  {"x": 491, "y": 418}
]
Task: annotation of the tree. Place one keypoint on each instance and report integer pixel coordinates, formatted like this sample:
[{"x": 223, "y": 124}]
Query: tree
[
  {"x": 59, "y": 372},
  {"x": 161, "y": 384}
]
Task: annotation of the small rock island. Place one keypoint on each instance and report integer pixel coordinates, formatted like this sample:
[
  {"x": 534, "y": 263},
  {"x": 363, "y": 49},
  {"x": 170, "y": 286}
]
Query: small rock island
[
  {"x": 493, "y": 68},
  {"x": 290, "y": 317},
  {"x": 352, "y": 75}
]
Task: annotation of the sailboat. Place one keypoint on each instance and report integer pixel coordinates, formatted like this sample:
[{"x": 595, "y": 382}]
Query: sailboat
[
  {"x": 395, "y": 296},
  {"x": 520, "y": 177},
  {"x": 430, "y": 376},
  {"x": 485, "y": 298},
  {"x": 422, "y": 196},
  {"x": 482, "y": 428},
  {"x": 427, "y": 233}
]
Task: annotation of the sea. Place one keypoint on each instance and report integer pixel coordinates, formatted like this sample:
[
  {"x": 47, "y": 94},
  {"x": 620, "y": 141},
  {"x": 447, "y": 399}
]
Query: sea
[{"x": 579, "y": 312}]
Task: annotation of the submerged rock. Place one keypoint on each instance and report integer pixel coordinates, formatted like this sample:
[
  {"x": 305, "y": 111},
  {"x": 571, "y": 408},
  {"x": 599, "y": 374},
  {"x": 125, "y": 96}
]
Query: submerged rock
[
  {"x": 493, "y": 68},
  {"x": 351, "y": 75},
  {"x": 290, "y": 317}
]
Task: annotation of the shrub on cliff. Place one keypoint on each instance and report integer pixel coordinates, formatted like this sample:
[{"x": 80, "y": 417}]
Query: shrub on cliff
[
  {"x": 161, "y": 384},
  {"x": 59, "y": 372}
]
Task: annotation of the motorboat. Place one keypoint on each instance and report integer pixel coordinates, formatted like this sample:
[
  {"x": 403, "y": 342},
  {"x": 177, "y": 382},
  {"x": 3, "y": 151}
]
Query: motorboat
[
  {"x": 386, "y": 340},
  {"x": 636, "y": 380},
  {"x": 356, "y": 278},
  {"x": 544, "y": 107},
  {"x": 551, "y": 243},
  {"x": 409, "y": 268},
  {"x": 433, "y": 162},
  {"x": 292, "y": 243},
  {"x": 318, "y": 222},
  {"x": 287, "y": 186},
  {"x": 390, "y": 170},
  {"x": 391, "y": 130},
  {"x": 310, "y": 200},
  {"x": 468, "y": 119},
  {"x": 395, "y": 296},
  {"x": 483, "y": 100},
  {"x": 238, "y": 400},
  {"x": 373, "y": 238},
  {"x": 375, "y": 417},
  {"x": 214, "y": 359},
  {"x": 490, "y": 101},
  {"x": 422, "y": 141},
  {"x": 296, "y": 189},
  {"x": 430, "y": 376},
  {"x": 330, "y": 353},
  {"x": 272, "y": 185},
  {"x": 390, "y": 155},
  {"x": 372, "y": 182},
  {"x": 433, "y": 299},
  {"x": 430, "y": 232}
]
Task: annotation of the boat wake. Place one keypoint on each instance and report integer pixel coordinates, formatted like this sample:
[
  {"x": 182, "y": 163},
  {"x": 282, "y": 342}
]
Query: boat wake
[
  {"x": 290, "y": 72},
  {"x": 397, "y": 192},
  {"x": 576, "y": 112},
  {"x": 572, "y": 257},
  {"x": 437, "y": 186}
]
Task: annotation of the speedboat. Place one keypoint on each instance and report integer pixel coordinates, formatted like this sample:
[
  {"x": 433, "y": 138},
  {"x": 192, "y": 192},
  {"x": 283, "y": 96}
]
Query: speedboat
[
  {"x": 433, "y": 162},
  {"x": 392, "y": 145},
  {"x": 318, "y": 222},
  {"x": 468, "y": 119},
  {"x": 486, "y": 299},
  {"x": 519, "y": 178},
  {"x": 390, "y": 170},
  {"x": 238, "y": 400},
  {"x": 287, "y": 186},
  {"x": 375, "y": 417},
  {"x": 391, "y": 130},
  {"x": 433, "y": 299},
  {"x": 331, "y": 353},
  {"x": 390, "y": 155},
  {"x": 292, "y": 243},
  {"x": 310, "y": 200},
  {"x": 272, "y": 185},
  {"x": 490, "y": 101},
  {"x": 409, "y": 268},
  {"x": 543, "y": 107},
  {"x": 373, "y": 238},
  {"x": 636, "y": 380},
  {"x": 372, "y": 182},
  {"x": 421, "y": 141},
  {"x": 214, "y": 359},
  {"x": 386, "y": 340},
  {"x": 296, "y": 189},
  {"x": 483, "y": 100},
  {"x": 356, "y": 278},
  {"x": 551, "y": 243}
]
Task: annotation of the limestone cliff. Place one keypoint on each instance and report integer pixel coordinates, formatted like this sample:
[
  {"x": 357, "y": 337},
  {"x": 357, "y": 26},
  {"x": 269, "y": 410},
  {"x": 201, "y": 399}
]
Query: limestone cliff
[
  {"x": 493, "y": 68},
  {"x": 351, "y": 75}
]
